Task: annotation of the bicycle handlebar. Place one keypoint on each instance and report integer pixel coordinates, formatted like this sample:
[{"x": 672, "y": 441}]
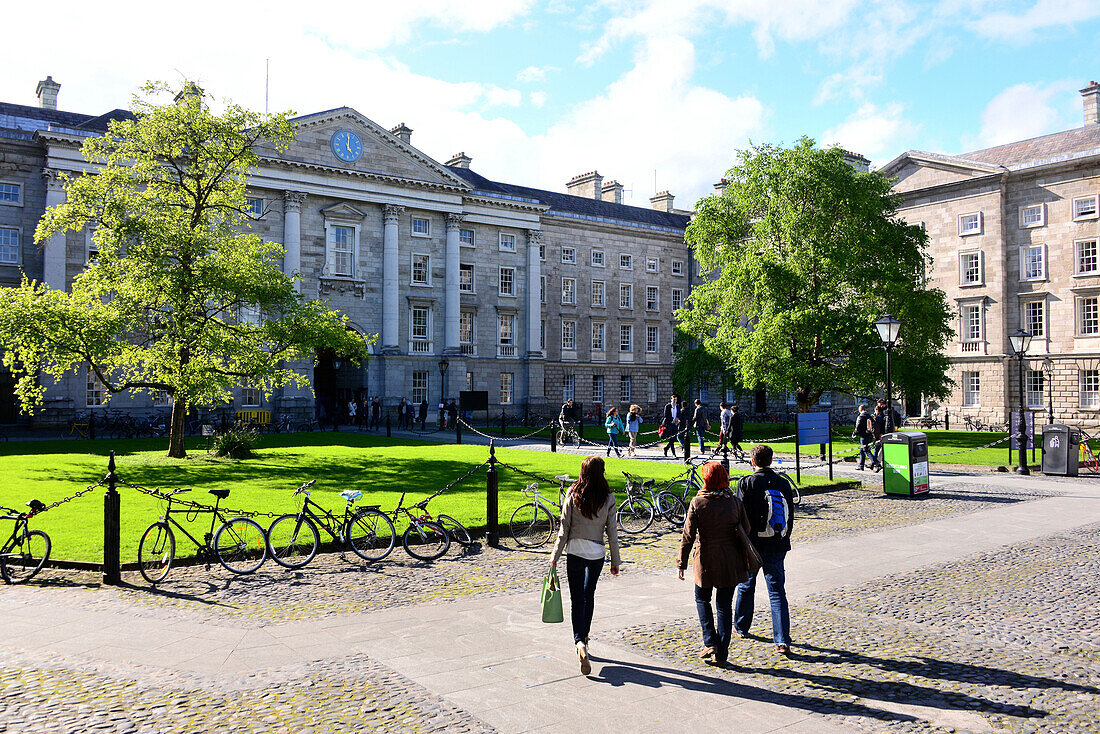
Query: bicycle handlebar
[
  {"x": 305, "y": 486},
  {"x": 179, "y": 491}
]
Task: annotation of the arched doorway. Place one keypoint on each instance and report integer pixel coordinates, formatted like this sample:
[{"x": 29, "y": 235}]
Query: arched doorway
[{"x": 336, "y": 382}]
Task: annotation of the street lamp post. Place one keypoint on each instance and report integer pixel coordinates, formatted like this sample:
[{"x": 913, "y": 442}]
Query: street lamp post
[
  {"x": 888, "y": 328},
  {"x": 443, "y": 365},
  {"x": 1048, "y": 368},
  {"x": 1020, "y": 341}
]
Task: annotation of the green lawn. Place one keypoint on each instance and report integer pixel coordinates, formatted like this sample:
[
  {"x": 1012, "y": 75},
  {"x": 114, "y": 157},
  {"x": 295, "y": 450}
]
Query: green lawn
[{"x": 382, "y": 468}]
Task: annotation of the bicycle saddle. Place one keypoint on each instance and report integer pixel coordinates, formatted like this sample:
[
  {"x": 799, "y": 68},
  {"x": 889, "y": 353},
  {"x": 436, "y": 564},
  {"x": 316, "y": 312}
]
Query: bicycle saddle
[
  {"x": 562, "y": 477},
  {"x": 36, "y": 505},
  {"x": 351, "y": 494},
  {"x": 648, "y": 483},
  {"x": 220, "y": 493}
]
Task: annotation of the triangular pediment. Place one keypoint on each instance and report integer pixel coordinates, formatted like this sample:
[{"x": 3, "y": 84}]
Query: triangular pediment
[
  {"x": 917, "y": 170},
  {"x": 382, "y": 153},
  {"x": 343, "y": 210}
]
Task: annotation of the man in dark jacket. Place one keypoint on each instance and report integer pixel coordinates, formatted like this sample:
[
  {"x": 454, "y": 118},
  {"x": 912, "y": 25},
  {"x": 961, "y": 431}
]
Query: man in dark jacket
[
  {"x": 737, "y": 428},
  {"x": 423, "y": 414},
  {"x": 865, "y": 432},
  {"x": 700, "y": 423},
  {"x": 670, "y": 420},
  {"x": 759, "y": 492},
  {"x": 452, "y": 413},
  {"x": 375, "y": 413}
]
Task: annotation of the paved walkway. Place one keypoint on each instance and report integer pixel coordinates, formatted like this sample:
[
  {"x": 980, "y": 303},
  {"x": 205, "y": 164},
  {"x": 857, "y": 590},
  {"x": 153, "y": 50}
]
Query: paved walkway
[{"x": 493, "y": 658}]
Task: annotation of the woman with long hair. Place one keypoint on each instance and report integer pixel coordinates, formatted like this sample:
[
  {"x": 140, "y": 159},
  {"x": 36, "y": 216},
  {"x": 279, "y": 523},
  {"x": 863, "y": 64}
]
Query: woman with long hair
[
  {"x": 587, "y": 516},
  {"x": 721, "y": 558},
  {"x": 633, "y": 427},
  {"x": 614, "y": 426}
]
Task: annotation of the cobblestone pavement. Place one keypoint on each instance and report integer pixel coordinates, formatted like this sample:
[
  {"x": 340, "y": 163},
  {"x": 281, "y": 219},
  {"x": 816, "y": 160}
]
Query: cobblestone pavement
[{"x": 1006, "y": 641}]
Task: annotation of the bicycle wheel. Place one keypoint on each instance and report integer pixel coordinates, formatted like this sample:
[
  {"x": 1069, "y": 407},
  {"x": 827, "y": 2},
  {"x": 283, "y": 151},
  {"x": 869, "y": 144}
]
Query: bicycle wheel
[
  {"x": 241, "y": 545},
  {"x": 26, "y": 558},
  {"x": 635, "y": 515},
  {"x": 292, "y": 541},
  {"x": 370, "y": 534},
  {"x": 156, "y": 551},
  {"x": 429, "y": 540},
  {"x": 531, "y": 525},
  {"x": 456, "y": 530},
  {"x": 671, "y": 508}
]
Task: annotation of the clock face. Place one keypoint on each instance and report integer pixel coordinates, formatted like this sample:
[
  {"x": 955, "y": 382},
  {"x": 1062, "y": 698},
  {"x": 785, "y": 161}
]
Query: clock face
[{"x": 346, "y": 145}]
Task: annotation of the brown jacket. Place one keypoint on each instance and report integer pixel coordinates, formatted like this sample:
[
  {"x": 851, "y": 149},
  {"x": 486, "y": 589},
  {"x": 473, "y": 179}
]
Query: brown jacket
[{"x": 719, "y": 560}]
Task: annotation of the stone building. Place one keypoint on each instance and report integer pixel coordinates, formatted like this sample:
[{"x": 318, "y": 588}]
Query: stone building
[
  {"x": 530, "y": 295},
  {"x": 1013, "y": 234}
]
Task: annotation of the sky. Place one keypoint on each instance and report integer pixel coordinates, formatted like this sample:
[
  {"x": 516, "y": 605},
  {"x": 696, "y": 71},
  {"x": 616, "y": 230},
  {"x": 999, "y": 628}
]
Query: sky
[{"x": 656, "y": 94}]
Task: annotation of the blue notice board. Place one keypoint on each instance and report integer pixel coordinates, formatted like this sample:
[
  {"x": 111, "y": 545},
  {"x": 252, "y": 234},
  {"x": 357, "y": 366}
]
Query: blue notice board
[{"x": 813, "y": 428}]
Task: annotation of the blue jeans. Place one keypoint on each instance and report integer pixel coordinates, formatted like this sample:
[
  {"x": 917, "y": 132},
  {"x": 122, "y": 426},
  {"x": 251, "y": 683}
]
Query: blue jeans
[
  {"x": 612, "y": 444},
  {"x": 582, "y": 575},
  {"x": 774, "y": 578},
  {"x": 718, "y": 636},
  {"x": 867, "y": 449},
  {"x": 699, "y": 433}
]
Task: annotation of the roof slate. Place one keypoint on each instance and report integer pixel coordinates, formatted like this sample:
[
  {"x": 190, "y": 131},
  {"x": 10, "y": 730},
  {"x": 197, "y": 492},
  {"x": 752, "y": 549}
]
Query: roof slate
[
  {"x": 1041, "y": 148},
  {"x": 29, "y": 119}
]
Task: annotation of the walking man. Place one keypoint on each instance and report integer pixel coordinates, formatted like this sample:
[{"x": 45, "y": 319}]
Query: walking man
[
  {"x": 701, "y": 423},
  {"x": 423, "y": 413},
  {"x": 670, "y": 421},
  {"x": 375, "y": 412},
  {"x": 736, "y": 430},
  {"x": 768, "y": 501},
  {"x": 865, "y": 432}
]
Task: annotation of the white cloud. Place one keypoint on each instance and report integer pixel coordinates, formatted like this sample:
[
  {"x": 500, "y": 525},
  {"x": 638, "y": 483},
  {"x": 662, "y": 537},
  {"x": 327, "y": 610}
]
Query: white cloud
[
  {"x": 877, "y": 132},
  {"x": 534, "y": 73},
  {"x": 1004, "y": 119},
  {"x": 538, "y": 99},
  {"x": 1044, "y": 14}
]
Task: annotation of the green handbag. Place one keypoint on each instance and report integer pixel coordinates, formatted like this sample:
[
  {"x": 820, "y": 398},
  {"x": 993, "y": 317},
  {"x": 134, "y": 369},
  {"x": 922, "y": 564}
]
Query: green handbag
[{"x": 551, "y": 597}]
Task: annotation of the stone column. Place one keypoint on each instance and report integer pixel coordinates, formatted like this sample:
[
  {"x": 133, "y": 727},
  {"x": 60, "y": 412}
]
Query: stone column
[
  {"x": 391, "y": 215},
  {"x": 53, "y": 256},
  {"x": 534, "y": 303},
  {"x": 292, "y": 232},
  {"x": 451, "y": 295}
]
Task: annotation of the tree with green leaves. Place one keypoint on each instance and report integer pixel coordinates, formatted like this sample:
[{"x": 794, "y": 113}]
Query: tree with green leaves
[
  {"x": 802, "y": 253},
  {"x": 181, "y": 297}
]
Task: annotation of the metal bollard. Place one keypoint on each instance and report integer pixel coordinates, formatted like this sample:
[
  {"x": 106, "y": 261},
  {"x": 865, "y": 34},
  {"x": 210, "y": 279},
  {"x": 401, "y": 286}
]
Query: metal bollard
[
  {"x": 726, "y": 456},
  {"x": 686, "y": 445},
  {"x": 387, "y": 425},
  {"x": 491, "y": 534},
  {"x": 946, "y": 419},
  {"x": 580, "y": 427},
  {"x": 553, "y": 440},
  {"x": 111, "y": 528}
]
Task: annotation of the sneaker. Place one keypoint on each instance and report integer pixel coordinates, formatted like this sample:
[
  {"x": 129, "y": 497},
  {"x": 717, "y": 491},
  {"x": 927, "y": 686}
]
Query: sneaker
[
  {"x": 582, "y": 654},
  {"x": 783, "y": 650},
  {"x": 742, "y": 635},
  {"x": 706, "y": 652}
]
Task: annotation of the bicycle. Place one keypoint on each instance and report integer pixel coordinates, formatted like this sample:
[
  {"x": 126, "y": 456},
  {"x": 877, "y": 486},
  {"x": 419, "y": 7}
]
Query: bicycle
[
  {"x": 77, "y": 428},
  {"x": 434, "y": 541},
  {"x": 239, "y": 543},
  {"x": 1089, "y": 459},
  {"x": 533, "y": 523},
  {"x": 568, "y": 435},
  {"x": 637, "y": 511},
  {"x": 293, "y": 540},
  {"x": 24, "y": 553}
]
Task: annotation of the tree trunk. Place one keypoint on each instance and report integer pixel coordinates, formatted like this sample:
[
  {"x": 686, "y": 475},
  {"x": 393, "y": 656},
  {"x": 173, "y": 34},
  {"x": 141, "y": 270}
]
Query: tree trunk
[{"x": 176, "y": 447}]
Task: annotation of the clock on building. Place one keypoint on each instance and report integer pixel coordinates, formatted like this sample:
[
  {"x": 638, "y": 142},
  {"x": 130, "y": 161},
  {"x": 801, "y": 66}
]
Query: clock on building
[{"x": 346, "y": 146}]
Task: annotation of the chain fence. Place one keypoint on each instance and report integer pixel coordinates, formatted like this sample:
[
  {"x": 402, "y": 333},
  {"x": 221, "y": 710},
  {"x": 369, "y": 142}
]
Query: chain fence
[{"x": 524, "y": 437}]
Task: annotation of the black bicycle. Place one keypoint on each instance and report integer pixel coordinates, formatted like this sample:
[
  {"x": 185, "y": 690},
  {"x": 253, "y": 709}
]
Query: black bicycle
[
  {"x": 239, "y": 543},
  {"x": 24, "y": 553},
  {"x": 293, "y": 540}
]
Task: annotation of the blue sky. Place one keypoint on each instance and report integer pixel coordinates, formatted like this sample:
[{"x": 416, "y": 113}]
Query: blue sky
[{"x": 650, "y": 92}]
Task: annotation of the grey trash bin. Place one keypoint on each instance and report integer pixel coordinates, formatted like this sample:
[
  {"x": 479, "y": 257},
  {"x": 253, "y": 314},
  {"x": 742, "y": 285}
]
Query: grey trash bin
[{"x": 1061, "y": 445}]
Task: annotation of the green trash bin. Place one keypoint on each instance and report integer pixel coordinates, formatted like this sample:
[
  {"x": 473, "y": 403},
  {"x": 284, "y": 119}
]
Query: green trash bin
[{"x": 905, "y": 463}]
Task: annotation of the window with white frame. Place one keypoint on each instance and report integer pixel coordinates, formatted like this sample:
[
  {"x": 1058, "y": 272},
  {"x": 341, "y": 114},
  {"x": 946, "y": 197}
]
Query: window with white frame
[
  {"x": 677, "y": 267},
  {"x": 970, "y": 223},
  {"x": 1035, "y": 320},
  {"x": 254, "y": 207},
  {"x": 1090, "y": 388},
  {"x": 542, "y": 289},
  {"x": 652, "y": 294},
  {"x": 972, "y": 386},
  {"x": 569, "y": 255},
  {"x": 421, "y": 269},
  {"x": 569, "y": 336},
  {"x": 250, "y": 394},
  {"x": 652, "y": 264},
  {"x": 9, "y": 246},
  {"x": 466, "y": 238},
  {"x": 730, "y": 397},
  {"x": 506, "y": 332},
  {"x": 162, "y": 399},
  {"x": 1086, "y": 257},
  {"x": 704, "y": 394},
  {"x": 91, "y": 247},
  {"x": 569, "y": 291},
  {"x": 1034, "y": 384},
  {"x": 971, "y": 323},
  {"x": 542, "y": 252},
  {"x": 1032, "y": 215},
  {"x": 506, "y": 388},
  {"x": 466, "y": 278},
  {"x": 651, "y": 388},
  {"x": 625, "y": 384},
  {"x": 597, "y": 388},
  {"x": 677, "y": 299},
  {"x": 970, "y": 268},
  {"x": 507, "y": 282},
  {"x": 626, "y": 262},
  {"x": 568, "y": 387},
  {"x": 652, "y": 338},
  {"x": 626, "y": 295},
  {"x": 343, "y": 250},
  {"x": 420, "y": 329},
  {"x": 1088, "y": 316},
  {"x": 11, "y": 194},
  {"x": 597, "y": 258},
  {"x": 599, "y": 332},
  {"x": 626, "y": 337},
  {"x": 598, "y": 293},
  {"x": 508, "y": 243},
  {"x": 421, "y": 227},
  {"x": 469, "y": 381},
  {"x": 466, "y": 331},
  {"x": 95, "y": 390},
  {"x": 1033, "y": 265},
  {"x": 1085, "y": 207},
  {"x": 419, "y": 386}
]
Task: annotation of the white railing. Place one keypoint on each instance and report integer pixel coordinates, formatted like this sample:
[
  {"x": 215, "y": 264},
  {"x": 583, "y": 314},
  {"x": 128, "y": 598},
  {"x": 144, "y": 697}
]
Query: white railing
[
  {"x": 420, "y": 347},
  {"x": 966, "y": 347},
  {"x": 468, "y": 350},
  {"x": 506, "y": 350}
]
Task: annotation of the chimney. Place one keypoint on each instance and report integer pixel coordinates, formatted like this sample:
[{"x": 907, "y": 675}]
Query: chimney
[
  {"x": 857, "y": 161},
  {"x": 662, "y": 202},
  {"x": 190, "y": 89},
  {"x": 47, "y": 93},
  {"x": 459, "y": 160},
  {"x": 404, "y": 133},
  {"x": 612, "y": 191},
  {"x": 720, "y": 187},
  {"x": 1091, "y": 97},
  {"x": 589, "y": 185}
]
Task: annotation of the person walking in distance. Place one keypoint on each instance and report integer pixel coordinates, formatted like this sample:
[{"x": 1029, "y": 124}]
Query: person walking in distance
[
  {"x": 700, "y": 423},
  {"x": 685, "y": 423},
  {"x": 633, "y": 427},
  {"x": 587, "y": 517},
  {"x": 670, "y": 422},
  {"x": 614, "y": 425},
  {"x": 768, "y": 502},
  {"x": 724, "y": 425},
  {"x": 352, "y": 410},
  {"x": 880, "y": 431},
  {"x": 865, "y": 433},
  {"x": 736, "y": 430},
  {"x": 375, "y": 413},
  {"x": 718, "y": 519}
]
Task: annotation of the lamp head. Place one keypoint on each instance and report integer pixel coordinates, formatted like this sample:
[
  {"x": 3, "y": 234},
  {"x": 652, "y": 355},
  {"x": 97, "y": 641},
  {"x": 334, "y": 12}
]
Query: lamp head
[
  {"x": 1020, "y": 341},
  {"x": 888, "y": 328},
  {"x": 443, "y": 365}
]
